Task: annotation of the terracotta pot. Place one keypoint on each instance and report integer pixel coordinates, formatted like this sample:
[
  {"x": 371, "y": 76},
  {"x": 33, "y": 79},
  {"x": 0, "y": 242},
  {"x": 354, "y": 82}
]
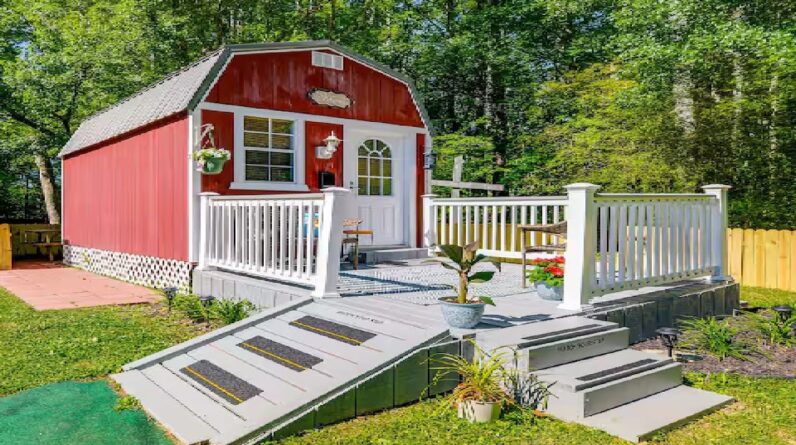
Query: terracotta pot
[{"x": 479, "y": 412}]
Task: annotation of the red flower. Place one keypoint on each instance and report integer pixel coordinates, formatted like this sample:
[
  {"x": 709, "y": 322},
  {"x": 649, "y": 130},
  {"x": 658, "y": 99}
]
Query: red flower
[{"x": 555, "y": 270}]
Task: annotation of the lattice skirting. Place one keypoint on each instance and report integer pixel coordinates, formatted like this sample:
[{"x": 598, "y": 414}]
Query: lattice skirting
[{"x": 137, "y": 269}]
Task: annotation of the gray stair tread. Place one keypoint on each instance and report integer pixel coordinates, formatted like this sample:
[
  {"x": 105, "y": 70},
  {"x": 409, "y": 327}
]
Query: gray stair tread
[
  {"x": 380, "y": 344},
  {"x": 542, "y": 332},
  {"x": 376, "y": 324},
  {"x": 641, "y": 419},
  {"x": 182, "y": 423},
  {"x": 373, "y": 308},
  {"x": 594, "y": 371},
  {"x": 203, "y": 406}
]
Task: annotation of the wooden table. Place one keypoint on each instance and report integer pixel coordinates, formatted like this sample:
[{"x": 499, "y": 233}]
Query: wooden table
[{"x": 48, "y": 245}]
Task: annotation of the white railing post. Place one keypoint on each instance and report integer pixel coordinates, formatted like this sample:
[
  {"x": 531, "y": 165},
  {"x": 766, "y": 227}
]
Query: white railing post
[
  {"x": 429, "y": 224},
  {"x": 336, "y": 205},
  {"x": 581, "y": 246},
  {"x": 204, "y": 227},
  {"x": 719, "y": 235}
]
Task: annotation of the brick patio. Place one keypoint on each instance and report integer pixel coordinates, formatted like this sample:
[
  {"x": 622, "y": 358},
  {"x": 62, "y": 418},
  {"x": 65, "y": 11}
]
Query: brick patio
[{"x": 46, "y": 286}]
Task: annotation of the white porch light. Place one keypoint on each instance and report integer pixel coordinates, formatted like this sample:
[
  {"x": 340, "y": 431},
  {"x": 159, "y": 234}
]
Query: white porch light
[{"x": 326, "y": 151}]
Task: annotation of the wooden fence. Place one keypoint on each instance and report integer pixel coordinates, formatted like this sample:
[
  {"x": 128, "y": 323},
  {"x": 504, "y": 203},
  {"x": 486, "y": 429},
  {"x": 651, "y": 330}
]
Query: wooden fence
[{"x": 763, "y": 258}]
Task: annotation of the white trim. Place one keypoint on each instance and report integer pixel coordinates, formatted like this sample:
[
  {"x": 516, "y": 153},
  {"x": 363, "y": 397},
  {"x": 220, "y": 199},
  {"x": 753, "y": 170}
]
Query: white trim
[
  {"x": 239, "y": 154},
  {"x": 266, "y": 186},
  {"x": 392, "y": 129},
  {"x": 194, "y": 187}
]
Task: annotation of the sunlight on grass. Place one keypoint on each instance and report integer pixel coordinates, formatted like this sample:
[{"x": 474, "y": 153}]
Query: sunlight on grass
[{"x": 758, "y": 296}]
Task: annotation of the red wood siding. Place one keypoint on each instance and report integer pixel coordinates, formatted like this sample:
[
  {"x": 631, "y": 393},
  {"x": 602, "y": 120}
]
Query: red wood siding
[
  {"x": 315, "y": 133},
  {"x": 281, "y": 81},
  {"x": 420, "y": 180},
  {"x": 130, "y": 194}
]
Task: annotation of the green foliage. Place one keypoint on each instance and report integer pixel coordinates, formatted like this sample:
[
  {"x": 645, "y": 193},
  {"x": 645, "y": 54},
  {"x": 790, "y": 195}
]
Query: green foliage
[
  {"x": 549, "y": 271},
  {"x": 127, "y": 403},
  {"x": 481, "y": 378},
  {"x": 461, "y": 260},
  {"x": 230, "y": 311},
  {"x": 41, "y": 347},
  {"x": 716, "y": 337},
  {"x": 773, "y": 329},
  {"x": 190, "y": 305},
  {"x": 760, "y": 297}
]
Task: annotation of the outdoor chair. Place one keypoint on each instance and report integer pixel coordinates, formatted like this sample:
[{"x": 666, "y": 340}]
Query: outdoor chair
[
  {"x": 351, "y": 238},
  {"x": 559, "y": 230}
]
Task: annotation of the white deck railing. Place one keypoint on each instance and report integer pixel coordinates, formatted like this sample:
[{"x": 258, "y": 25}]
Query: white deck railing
[
  {"x": 614, "y": 242},
  {"x": 294, "y": 238},
  {"x": 490, "y": 221}
]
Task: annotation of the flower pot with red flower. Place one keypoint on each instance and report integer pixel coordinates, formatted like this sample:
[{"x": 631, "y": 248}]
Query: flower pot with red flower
[{"x": 547, "y": 276}]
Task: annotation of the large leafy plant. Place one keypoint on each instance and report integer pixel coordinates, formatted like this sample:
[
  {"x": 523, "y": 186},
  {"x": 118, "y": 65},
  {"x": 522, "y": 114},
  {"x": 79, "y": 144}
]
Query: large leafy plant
[
  {"x": 461, "y": 260},
  {"x": 481, "y": 378}
]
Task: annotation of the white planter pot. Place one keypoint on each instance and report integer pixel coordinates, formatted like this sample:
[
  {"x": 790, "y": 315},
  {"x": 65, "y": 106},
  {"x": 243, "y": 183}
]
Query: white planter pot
[{"x": 479, "y": 412}]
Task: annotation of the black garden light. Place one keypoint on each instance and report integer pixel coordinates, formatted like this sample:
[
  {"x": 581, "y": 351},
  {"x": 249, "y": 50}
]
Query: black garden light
[
  {"x": 206, "y": 301},
  {"x": 669, "y": 338},
  {"x": 429, "y": 159},
  {"x": 784, "y": 311},
  {"x": 170, "y": 293}
]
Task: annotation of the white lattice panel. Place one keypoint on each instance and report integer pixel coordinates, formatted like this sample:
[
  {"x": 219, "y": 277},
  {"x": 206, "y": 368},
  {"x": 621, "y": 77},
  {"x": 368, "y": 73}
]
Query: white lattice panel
[{"x": 137, "y": 269}]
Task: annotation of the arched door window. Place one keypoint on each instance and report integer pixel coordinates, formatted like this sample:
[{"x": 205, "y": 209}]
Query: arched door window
[{"x": 374, "y": 172}]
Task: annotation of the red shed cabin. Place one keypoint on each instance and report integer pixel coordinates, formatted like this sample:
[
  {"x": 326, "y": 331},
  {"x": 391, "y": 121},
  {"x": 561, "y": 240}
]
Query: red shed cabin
[{"x": 131, "y": 192}]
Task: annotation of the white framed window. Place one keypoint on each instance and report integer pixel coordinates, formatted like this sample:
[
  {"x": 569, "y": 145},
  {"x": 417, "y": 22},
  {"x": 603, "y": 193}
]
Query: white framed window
[
  {"x": 266, "y": 154},
  {"x": 326, "y": 60},
  {"x": 374, "y": 168}
]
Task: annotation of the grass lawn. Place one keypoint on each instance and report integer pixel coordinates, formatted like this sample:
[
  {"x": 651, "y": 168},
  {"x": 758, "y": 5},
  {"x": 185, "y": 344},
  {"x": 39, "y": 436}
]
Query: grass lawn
[
  {"x": 37, "y": 348},
  {"x": 758, "y": 296}
]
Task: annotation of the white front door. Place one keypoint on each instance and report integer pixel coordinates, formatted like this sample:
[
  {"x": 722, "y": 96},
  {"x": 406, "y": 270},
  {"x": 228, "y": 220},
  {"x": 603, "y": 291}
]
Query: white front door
[{"x": 377, "y": 175}]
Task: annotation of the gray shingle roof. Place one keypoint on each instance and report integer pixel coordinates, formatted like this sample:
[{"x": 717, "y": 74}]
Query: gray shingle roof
[{"x": 184, "y": 89}]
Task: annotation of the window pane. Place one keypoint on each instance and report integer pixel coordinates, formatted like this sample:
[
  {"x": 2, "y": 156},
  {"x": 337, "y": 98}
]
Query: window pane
[
  {"x": 363, "y": 186},
  {"x": 387, "y": 183},
  {"x": 362, "y": 167},
  {"x": 279, "y": 158},
  {"x": 386, "y": 153},
  {"x": 255, "y": 139},
  {"x": 387, "y": 166},
  {"x": 256, "y": 173},
  {"x": 253, "y": 123},
  {"x": 375, "y": 186},
  {"x": 281, "y": 126},
  {"x": 256, "y": 157},
  {"x": 281, "y": 174},
  {"x": 362, "y": 150},
  {"x": 282, "y": 142},
  {"x": 375, "y": 167}
]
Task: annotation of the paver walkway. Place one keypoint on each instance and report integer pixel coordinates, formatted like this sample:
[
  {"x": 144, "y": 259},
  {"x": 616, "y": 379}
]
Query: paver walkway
[{"x": 53, "y": 286}]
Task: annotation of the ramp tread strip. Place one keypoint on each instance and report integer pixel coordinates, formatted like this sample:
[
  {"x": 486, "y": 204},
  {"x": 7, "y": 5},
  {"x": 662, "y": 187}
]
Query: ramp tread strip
[
  {"x": 226, "y": 385},
  {"x": 562, "y": 331},
  {"x": 335, "y": 331},
  {"x": 280, "y": 353},
  {"x": 616, "y": 370}
]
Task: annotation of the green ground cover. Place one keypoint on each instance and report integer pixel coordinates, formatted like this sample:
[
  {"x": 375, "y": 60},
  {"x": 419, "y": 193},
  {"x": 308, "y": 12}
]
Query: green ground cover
[
  {"x": 37, "y": 348},
  {"x": 758, "y": 296},
  {"x": 72, "y": 413}
]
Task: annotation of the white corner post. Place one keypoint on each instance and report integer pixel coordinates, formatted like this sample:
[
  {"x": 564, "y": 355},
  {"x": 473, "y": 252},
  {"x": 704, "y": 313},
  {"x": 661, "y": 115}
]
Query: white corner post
[
  {"x": 429, "y": 225},
  {"x": 581, "y": 246},
  {"x": 337, "y": 203},
  {"x": 205, "y": 227},
  {"x": 719, "y": 235}
]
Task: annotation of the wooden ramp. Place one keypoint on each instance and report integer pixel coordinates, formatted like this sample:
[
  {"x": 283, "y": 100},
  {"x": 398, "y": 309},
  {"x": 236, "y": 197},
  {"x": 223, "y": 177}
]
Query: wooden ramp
[{"x": 299, "y": 366}]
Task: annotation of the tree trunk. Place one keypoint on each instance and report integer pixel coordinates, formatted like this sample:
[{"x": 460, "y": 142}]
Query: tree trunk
[{"x": 47, "y": 187}]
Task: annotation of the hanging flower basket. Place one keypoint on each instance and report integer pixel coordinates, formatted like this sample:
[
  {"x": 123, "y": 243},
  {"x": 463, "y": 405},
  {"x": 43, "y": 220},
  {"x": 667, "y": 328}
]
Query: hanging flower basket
[{"x": 209, "y": 159}]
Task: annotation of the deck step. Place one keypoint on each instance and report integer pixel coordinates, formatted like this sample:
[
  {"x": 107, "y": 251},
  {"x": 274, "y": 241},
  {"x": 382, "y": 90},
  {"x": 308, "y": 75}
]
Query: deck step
[
  {"x": 669, "y": 409},
  {"x": 542, "y": 332},
  {"x": 572, "y": 349},
  {"x": 597, "y": 384},
  {"x": 184, "y": 424}
]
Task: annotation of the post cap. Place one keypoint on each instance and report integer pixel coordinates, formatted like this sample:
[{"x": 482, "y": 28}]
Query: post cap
[
  {"x": 336, "y": 190},
  {"x": 716, "y": 187},
  {"x": 208, "y": 194},
  {"x": 582, "y": 186}
]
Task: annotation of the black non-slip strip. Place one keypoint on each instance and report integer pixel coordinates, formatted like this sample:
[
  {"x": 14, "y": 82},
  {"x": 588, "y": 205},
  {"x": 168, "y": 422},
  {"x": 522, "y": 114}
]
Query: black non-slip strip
[
  {"x": 220, "y": 382},
  {"x": 607, "y": 372},
  {"x": 563, "y": 331},
  {"x": 336, "y": 331},
  {"x": 279, "y": 353}
]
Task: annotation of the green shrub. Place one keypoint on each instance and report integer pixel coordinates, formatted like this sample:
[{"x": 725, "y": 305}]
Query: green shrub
[
  {"x": 715, "y": 337},
  {"x": 230, "y": 311},
  {"x": 773, "y": 329},
  {"x": 193, "y": 307}
]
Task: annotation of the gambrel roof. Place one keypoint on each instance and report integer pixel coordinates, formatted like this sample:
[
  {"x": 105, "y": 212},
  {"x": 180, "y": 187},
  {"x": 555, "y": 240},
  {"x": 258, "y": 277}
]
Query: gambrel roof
[{"x": 184, "y": 89}]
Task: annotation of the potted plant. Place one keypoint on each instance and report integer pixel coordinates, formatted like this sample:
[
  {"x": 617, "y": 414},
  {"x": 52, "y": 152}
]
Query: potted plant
[
  {"x": 210, "y": 159},
  {"x": 461, "y": 311},
  {"x": 547, "y": 276},
  {"x": 480, "y": 394}
]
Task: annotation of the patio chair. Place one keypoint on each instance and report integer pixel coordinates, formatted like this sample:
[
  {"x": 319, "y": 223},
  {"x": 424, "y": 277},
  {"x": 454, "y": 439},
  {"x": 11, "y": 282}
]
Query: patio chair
[
  {"x": 351, "y": 237},
  {"x": 557, "y": 229}
]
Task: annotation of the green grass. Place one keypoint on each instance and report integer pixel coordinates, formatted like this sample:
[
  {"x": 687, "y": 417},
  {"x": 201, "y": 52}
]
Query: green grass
[
  {"x": 758, "y": 296},
  {"x": 37, "y": 348},
  {"x": 763, "y": 414}
]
